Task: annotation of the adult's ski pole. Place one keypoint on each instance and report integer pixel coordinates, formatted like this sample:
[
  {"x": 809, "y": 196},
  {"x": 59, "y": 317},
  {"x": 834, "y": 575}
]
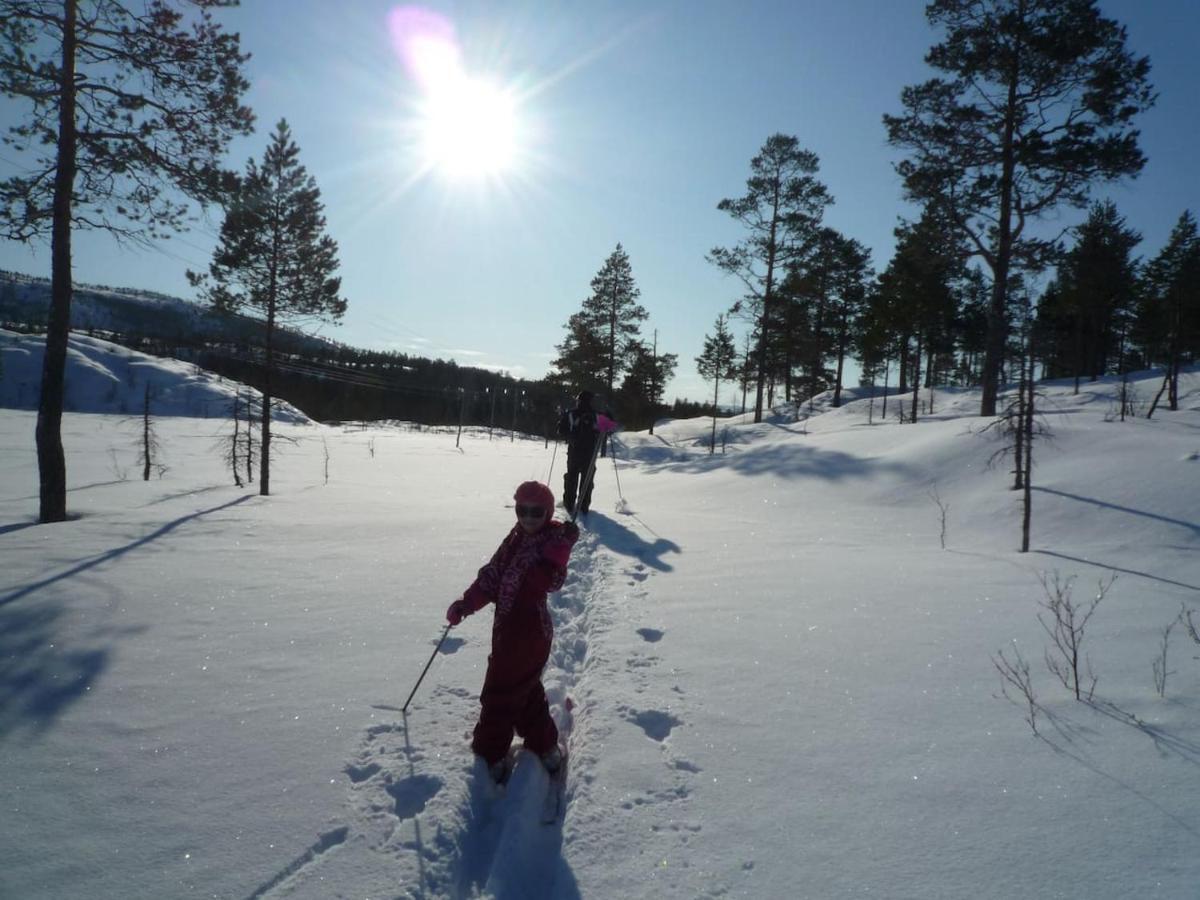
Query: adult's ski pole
[
  {"x": 616, "y": 473},
  {"x": 404, "y": 709}
]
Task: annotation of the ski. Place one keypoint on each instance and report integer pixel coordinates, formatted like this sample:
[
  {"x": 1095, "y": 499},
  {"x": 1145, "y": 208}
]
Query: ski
[{"x": 554, "y": 805}]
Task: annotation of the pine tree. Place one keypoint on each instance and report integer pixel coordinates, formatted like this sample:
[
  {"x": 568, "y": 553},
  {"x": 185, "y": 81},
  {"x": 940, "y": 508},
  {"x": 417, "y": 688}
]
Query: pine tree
[
  {"x": 581, "y": 363},
  {"x": 781, "y": 211},
  {"x": 1084, "y": 315},
  {"x": 718, "y": 362},
  {"x": 123, "y": 102},
  {"x": 645, "y": 382},
  {"x": 274, "y": 257},
  {"x": 613, "y": 312},
  {"x": 596, "y": 351},
  {"x": 1169, "y": 317},
  {"x": 918, "y": 289},
  {"x": 1035, "y": 105}
]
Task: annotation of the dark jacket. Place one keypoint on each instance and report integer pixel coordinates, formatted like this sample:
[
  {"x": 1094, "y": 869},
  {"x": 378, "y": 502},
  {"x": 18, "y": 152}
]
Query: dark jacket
[{"x": 578, "y": 428}]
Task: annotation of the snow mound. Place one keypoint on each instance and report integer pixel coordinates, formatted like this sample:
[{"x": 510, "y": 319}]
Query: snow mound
[{"x": 103, "y": 377}]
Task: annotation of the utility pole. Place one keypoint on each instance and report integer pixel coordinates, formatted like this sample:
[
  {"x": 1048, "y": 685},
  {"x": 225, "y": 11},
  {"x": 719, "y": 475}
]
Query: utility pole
[{"x": 653, "y": 378}]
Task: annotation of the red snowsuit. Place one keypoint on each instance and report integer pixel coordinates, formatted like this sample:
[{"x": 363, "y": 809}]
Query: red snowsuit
[{"x": 522, "y": 571}]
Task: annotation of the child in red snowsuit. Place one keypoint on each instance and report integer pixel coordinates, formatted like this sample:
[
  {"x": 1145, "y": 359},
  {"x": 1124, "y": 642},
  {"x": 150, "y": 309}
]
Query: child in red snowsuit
[{"x": 530, "y": 562}]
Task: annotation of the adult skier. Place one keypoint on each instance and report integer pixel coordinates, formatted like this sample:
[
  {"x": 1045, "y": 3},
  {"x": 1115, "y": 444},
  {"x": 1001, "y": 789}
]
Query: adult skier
[{"x": 581, "y": 429}]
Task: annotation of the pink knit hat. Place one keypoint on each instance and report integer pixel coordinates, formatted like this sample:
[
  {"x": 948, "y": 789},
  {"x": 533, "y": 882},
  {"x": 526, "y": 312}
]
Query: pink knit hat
[{"x": 534, "y": 493}]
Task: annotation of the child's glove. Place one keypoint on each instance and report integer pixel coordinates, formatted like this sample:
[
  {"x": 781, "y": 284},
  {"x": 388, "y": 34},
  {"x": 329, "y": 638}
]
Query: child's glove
[
  {"x": 558, "y": 550},
  {"x": 458, "y": 611}
]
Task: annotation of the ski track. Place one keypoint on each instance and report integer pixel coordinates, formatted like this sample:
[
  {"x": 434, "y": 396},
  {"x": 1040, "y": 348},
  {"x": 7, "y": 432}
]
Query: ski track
[{"x": 425, "y": 809}]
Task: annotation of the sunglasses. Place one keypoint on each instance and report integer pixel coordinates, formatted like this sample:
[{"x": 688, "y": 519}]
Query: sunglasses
[{"x": 529, "y": 512}]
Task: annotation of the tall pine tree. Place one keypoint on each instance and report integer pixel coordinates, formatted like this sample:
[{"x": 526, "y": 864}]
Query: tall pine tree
[
  {"x": 1169, "y": 317},
  {"x": 781, "y": 212},
  {"x": 274, "y": 258},
  {"x": 1035, "y": 103},
  {"x": 600, "y": 335},
  {"x": 120, "y": 105}
]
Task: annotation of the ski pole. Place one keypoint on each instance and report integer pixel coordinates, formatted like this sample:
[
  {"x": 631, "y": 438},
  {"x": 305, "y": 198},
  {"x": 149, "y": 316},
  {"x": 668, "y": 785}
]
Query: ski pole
[
  {"x": 586, "y": 484},
  {"x": 553, "y": 456},
  {"x": 404, "y": 709},
  {"x": 616, "y": 472}
]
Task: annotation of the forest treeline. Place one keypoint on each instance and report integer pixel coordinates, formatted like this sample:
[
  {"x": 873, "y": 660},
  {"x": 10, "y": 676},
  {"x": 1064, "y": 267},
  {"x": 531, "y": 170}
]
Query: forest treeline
[{"x": 126, "y": 120}]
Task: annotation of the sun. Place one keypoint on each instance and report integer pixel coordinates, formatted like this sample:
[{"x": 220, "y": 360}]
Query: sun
[{"x": 468, "y": 129}]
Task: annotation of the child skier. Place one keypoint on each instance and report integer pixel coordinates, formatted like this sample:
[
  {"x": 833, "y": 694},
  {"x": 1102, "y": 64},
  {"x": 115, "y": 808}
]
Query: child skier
[{"x": 530, "y": 562}]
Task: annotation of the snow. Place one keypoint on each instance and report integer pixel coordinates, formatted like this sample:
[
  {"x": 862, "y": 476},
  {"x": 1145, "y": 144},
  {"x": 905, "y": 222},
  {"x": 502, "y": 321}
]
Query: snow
[{"x": 782, "y": 685}]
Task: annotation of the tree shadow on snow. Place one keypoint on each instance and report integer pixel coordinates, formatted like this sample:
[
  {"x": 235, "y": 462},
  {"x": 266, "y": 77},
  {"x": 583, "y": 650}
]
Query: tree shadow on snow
[
  {"x": 1191, "y": 526},
  {"x": 1165, "y": 743},
  {"x": 1112, "y": 568},
  {"x": 116, "y": 553},
  {"x": 790, "y": 460},
  {"x": 616, "y": 537},
  {"x": 41, "y": 675}
]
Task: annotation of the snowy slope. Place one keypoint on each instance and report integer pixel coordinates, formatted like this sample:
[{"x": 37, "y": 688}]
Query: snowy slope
[
  {"x": 103, "y": 377},
  {"x": 782, "y": 684}
]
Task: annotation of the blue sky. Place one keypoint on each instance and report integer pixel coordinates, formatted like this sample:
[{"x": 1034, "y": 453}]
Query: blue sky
[{"x": 634, "y": 120}]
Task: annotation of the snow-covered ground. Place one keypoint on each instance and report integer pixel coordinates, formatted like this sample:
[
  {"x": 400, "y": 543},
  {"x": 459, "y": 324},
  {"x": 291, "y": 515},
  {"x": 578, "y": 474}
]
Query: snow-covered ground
[{"x": 782, "y": 685}]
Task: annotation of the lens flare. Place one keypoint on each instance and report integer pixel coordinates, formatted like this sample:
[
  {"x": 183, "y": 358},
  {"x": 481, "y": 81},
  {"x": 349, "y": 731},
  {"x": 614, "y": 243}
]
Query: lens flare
[
  {"x": 466, "y": 127},
  {"x": 426, "y": 43}
]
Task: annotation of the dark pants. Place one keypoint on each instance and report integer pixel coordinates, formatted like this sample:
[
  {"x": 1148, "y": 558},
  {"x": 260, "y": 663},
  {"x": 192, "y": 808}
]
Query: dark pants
[
  {"x": 576, "y": 472},
  {"x": 513, "y": 701}
]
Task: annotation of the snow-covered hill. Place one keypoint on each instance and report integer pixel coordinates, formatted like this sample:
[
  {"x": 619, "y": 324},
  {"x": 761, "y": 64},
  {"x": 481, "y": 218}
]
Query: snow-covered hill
[
  {"x": 782, "y": 685},
  {"x": 102, "y": 377},
  {"x": 173, "y": 320}
]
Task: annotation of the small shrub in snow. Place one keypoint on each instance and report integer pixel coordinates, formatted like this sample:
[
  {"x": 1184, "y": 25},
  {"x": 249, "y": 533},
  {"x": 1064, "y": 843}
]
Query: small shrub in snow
[
  {"x": 943, "y": 508},
  {"x": 120, "y": 473},
  {"x": 1016, "y": 683},
  {"x": 1066, "y": 624},
  {"x": 1159, "y": 663}
]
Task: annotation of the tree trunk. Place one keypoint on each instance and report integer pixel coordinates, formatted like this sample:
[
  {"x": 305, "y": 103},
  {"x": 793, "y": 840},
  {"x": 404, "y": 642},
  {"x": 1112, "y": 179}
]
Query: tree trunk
[
  {"x": 768, "y": 299},
  {"x": 841, "y": 360},
  {"x": 146, "y": 434},
  {"x": 712, "y": 447},
  {"x": 264, "y": 438},
  {"x": 52, "y": 464},
  {"x": 887, "y": 367},
  {"x": 1027, "y": 426},
  {"x": 916, "y": 379},
  {"x": 997, "y": 333}
]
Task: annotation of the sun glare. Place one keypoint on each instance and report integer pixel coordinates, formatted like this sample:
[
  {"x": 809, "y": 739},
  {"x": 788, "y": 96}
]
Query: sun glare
[
  {"x": 465, "y": 127},
  {"x": 468, "y": 129}
]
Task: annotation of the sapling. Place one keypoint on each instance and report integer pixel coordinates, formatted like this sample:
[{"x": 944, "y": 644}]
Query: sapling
[
  {"x": 1066, "y": 627},
  {"x": 943, "y": 508},
  {"x": 1159, "y": 663},
  {"x": 1015, "y": 676}
]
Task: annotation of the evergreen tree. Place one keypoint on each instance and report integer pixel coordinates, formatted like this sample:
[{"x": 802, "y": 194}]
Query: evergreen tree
[
  {"x": 918, "y": 289},
  {"x": 781, "y": 211},
  {"x": 581, "y": 364},
  {"x": 275, "y": 258},
  {"x": 1169, "y": 316},
  {"x": 614, "y": 313},
  {"x": 1035, "y": 105},
  {"x": 718, "y": 362},
  {"x": 645, "y": 381},
  {"x": 1084, "y": 314},
  {"x": 121, "y": 103}
]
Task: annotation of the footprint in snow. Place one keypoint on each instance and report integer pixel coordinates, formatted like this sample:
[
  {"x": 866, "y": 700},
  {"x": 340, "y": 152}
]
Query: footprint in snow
[
  {"x": 651, "y": 635},
  {"x": 358, "y": 774},
  {"x": 655, "y": 723},
  {"x": 411, "y": 794}
]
